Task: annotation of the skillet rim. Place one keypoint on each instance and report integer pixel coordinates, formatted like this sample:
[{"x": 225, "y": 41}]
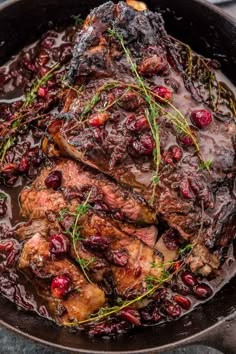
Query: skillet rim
[{"x": 190, "y": 340}]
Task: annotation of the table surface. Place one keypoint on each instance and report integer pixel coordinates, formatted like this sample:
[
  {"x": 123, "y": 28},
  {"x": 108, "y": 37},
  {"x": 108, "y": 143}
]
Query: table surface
[{"x": 14, "y": 344}]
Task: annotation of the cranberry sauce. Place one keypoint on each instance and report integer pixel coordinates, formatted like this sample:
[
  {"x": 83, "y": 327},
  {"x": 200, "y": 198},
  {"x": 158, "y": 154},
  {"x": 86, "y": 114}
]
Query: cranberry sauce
[{"x": 23, "y": 161}]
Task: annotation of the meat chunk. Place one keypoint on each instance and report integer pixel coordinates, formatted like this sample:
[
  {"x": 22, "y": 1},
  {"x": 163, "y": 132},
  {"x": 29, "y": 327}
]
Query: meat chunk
[
  {"x": 130, "y": 259},
  {"x": 75, "y": 180},
  {"x": 83, "y": 298}
]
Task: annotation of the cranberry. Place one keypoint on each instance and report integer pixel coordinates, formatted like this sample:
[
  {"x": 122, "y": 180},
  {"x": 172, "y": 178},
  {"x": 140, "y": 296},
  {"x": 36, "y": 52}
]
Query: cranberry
[
  {"x": 150, "y": 313},
  {"x": 135, "y": 124},
  {"x": 186, "y": 189},
  {"x": 182, "y": 301},
  {"x": 176, "y": 266},
  {"x": 172, "y": 310},
  {"x": 108, "y": 328},
  {"x": 3, "y": 208},
  {"x": 162, "y": 94},
  {"x": 170, "y": 240},
  {"x": 186, "y": 139},
  {"x": 188, "y": 279},
  {"x": 42, "y": 92},
  {"x": 60, "y": 286},
  {"x": 118, "y": 257},
  {"x": 58, "y": 244},
  {"x": 203, "y": 291},
  {"x": 131, "y": 315},
  {"x": 99, "y": 119},
  {"x": 201, "y": 118},
  {"x": 176, "y": 152},
  {"x": 24, "y": 165},
  {"x": 160, "y": 294},
  {"x": 144, "y": 146},
  {"x": 54, "y": 179},
  {"x": 180, "y": 288},
  {"x": 96, "y": 243}
]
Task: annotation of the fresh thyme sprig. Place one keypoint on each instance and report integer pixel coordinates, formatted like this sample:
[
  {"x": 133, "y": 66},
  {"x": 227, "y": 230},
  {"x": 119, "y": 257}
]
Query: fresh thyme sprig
[
  {"x": 151, "y": 113},
  {"x": 152, "y": 284},
  {"x": 75, "y": 233},
  {"x": 205, "y": 165},
  {"x": 31, "y": 95}
]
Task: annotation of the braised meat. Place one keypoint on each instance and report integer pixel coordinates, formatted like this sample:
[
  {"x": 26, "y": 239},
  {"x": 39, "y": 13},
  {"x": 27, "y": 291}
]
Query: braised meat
[
  {"x": 75, "y": 298},
  {"x": 76, "y": 180}
]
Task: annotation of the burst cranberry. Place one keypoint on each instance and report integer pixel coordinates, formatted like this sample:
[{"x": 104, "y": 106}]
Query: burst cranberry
[
  {"x": 60, "y": 286},
  {"x": 144, "y": 146},
  {"x": 182, "y": 301},
  {"x": 176, "y": 266},
  {"x": 176, "y": 152},
  {"x": 188, "y": 279},
  {"x": 58, "y": 244},
  {"x": 99, "y": 119},
  {"x": 180, "y": 288},
  {"x": 131, "y": 315},
  {"x": 42, "y": 92},
  {"x": 186, "y": 140},
  {"x": 3, "y": 208},
  {"x": 54, "y": 180},
  {"x": 24, "y": 165},
  {"x": 172, "y": 310},
  {"x": 167, "y": 157},
  {"x": 96, "y": 243},
  {"x": 201, "y": 118},
  {"x": 162, "y": 94},
  {"x": 108, "y": 328},
  {"x": 134, "y": 123},
  {"x": 186, "y": 189},
  {"x": 118, "y": 257},
  {"x": 203, "y": 291}
]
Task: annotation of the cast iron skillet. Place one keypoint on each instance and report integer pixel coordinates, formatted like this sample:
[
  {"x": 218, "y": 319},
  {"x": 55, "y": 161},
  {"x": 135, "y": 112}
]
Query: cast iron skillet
[{"x": 210, "y": 33}]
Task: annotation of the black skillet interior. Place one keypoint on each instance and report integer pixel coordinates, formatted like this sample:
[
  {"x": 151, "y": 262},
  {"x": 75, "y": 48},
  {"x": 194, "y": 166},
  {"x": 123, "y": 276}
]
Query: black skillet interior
[{"x": 208, "y": 32}]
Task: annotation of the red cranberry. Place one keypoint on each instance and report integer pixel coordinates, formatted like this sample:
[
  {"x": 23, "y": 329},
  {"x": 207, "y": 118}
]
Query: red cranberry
[
  {"x": 42, "y": 92},
  {"x": 96, "y": 243},
  {"x": 201, "y": 118},
  {"x": 188, "y": 279},
  {"x": 172, "y": 309},
  {"x": 131, "y": 316},
  {"x": 186, "y": 140},
  {"x": 54, "y": 179},
  {"x": 134, "y": 123},
  {"x": 167, "y": 157},
  {"x": 24, "y": 165},
  {"x": 144, "y": 146},
  {"x": 118, "y": 257},
  {"x": 99, "y": 119},
  {"x": 182, "y": 301},
  {"x": 58, "y": 244},
  {"x": 186, "y": 189},
  {"x": 163, "y": 92},
  {"x": 176, "y": 152},
  {"x": 60, "y": 286},
  {"x": 203, "y": 291},
  {"x": 176, "y": 266},
  {"x": 3, "y": 208}
]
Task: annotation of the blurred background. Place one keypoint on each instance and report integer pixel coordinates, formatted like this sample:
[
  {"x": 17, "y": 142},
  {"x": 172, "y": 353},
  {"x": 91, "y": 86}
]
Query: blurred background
[{"x": 9, "y": 343}]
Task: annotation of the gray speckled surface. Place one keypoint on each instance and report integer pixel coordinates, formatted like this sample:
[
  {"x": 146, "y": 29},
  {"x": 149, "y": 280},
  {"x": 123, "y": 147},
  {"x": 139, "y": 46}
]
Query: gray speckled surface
[{"x": 9, "y": 343}]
